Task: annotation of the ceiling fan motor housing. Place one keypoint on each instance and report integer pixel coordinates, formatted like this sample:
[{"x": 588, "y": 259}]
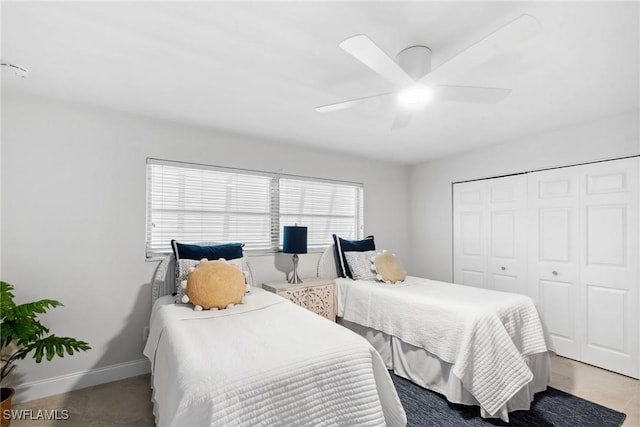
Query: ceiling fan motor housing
[{"x": 415, "y": 61}]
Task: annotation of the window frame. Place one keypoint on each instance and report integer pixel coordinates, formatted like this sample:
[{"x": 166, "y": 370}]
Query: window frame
[{"x": 275, "y": 229}]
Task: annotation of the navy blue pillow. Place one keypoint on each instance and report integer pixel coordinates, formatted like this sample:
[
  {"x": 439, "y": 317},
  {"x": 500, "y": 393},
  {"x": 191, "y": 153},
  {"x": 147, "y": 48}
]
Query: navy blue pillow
[
  {"x": 226, "y": 250},
  {"x": 342, "y": 246}
]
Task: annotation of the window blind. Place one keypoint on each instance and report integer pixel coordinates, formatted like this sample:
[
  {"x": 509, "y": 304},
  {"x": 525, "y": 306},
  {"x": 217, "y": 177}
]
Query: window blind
[
  {"x": 195, "y": 203},
  {"x": 324, "y": 207}
]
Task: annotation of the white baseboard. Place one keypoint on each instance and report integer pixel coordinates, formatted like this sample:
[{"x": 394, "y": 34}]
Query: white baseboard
[{"x": 65, "y": 383}]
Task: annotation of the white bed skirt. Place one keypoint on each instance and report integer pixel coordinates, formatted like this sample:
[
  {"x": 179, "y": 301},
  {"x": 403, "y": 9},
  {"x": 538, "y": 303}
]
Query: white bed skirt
[{"x": 428, "y": 371}]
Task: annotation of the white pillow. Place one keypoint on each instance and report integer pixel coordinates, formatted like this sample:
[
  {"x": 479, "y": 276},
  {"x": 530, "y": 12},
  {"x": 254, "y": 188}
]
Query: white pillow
[
  {"x": 183, "y": 268},
  {"x": 327, "y": 264},
  {"x": 360, "y": 264}
]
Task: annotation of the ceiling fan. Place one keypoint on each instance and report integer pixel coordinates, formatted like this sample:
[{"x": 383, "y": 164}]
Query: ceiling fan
[{"x": 417, "y": 83}]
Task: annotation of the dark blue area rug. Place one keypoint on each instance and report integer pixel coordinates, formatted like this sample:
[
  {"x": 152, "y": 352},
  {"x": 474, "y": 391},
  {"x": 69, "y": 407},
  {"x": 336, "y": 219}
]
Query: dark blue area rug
[{"x": 550, "y": 408}]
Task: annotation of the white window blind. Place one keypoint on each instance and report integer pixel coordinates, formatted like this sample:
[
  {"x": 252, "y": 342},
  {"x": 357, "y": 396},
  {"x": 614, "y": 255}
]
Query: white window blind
[
  {"x": 324, "y": 207},
  {"x": 196, "y": 203}
]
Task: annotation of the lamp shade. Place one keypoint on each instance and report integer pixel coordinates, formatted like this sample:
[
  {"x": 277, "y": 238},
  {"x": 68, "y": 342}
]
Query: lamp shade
[{"x": 294, "y": 240}]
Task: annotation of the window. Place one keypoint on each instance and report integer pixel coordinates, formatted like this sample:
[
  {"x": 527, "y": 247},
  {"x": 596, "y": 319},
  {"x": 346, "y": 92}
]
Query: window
[
  {"x": 195, "y": 203},
  {"x": 324, "y": 207}
]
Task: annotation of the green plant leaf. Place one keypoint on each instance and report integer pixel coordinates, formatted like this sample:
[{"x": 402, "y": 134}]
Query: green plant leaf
[
  {"x": 19, "y": 325},
  {"x": 6, "y": 299},
  {"x": 60, "y": 350},
  {"x": 38, "y": 354},
  {"x": 22, "y": 332},
  {"x": 50, "y": 352},
  {"x": 50, "y": 347},
  {"x": 30, "y": 309},
  {"x": 68, "y": 349}
]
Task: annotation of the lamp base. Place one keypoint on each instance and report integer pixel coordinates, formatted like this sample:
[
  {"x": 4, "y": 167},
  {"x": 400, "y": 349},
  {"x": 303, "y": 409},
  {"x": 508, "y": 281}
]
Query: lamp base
[{"x": 295, "y": 279}]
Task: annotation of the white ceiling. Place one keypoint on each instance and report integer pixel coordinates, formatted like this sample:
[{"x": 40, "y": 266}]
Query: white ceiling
[{"x": 261, "y": 68}]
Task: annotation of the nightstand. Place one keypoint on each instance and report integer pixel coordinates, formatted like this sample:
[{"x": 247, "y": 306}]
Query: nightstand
[{"x": 317, "y": 295}]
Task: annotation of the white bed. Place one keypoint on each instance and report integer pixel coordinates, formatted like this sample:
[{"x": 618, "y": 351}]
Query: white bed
[
  {"x": 264, "y": 362},
  {"x": 474, "y": 346}
]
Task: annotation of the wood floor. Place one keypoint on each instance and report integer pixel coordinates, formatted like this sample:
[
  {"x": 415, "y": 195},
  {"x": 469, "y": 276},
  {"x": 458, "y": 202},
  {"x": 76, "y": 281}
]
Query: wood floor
[
  {"x": 598, "y": 385},
  {"x": 128, "y": 402}
]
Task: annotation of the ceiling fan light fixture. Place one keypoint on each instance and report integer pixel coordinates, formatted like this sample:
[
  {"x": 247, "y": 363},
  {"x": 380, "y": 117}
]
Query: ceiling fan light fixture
[{"x": 416, "y": 96}]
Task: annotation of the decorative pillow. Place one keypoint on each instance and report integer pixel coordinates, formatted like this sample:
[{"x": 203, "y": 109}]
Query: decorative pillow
[
  {"x": 327, "y": 264},
  {"x": 388, "y": 267},
  {"x": 214, "y": 285},
  {"x": 184, "y": 267},
  {"x": 360, "y": 264},
  {"x": 342, "y": 246},
  {"x": 227, "y": 251}
]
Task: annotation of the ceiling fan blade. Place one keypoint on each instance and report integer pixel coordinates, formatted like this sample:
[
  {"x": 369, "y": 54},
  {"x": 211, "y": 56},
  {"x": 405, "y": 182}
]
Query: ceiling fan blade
[
  {"x": 366, "y": 51},
  {"x": 503, "y": 40},
  {"x": 351, "y": 103},
  {"x": 403, "y": 118},
  {"x": 478, "y": 95}
]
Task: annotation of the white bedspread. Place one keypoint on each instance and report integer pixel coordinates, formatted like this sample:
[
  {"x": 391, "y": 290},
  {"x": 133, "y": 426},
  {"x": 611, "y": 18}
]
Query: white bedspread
[
  {"x": 265, "y": 362},
  {"x": 484, "y": 334}
]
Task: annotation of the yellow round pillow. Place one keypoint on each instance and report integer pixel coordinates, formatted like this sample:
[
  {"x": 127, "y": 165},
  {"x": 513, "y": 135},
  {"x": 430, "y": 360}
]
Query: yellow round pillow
[
  {"x": 389, "y": 269},
  {"x": 215, "y": 285}
]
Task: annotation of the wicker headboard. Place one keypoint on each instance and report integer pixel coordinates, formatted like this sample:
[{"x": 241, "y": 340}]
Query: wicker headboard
[{"x": 162, "y": 283}]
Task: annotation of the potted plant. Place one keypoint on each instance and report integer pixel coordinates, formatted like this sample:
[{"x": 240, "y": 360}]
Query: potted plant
[{"x": 22, "y": 333}]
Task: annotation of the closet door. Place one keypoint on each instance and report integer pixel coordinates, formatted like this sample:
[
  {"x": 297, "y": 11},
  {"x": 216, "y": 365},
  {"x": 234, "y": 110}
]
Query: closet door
[
  {"x": 609, "y": 232},
  {"x": 507, "y": 251},
  {"x": 554, "y": 255},
  {"x": 490, "y": 233},
  {"x": 469, "y": 233},
  {"x": 583, "y": 261}
]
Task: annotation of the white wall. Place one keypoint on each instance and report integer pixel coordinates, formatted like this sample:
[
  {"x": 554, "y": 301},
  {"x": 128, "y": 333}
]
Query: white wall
[
  {"x": 430, "y": 193},
  {"x": 73, "y": 220}
]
